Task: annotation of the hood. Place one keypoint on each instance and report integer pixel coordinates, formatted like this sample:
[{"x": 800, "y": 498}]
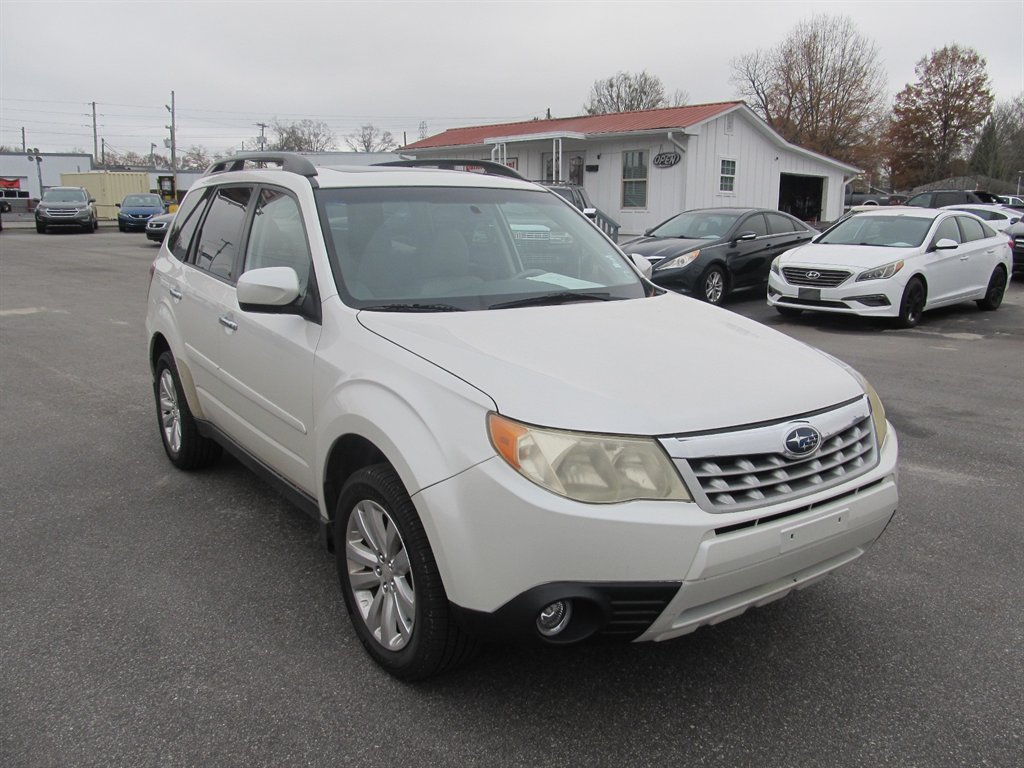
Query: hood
[
  {"x": 44, "y": 204},
  {"x": 854, "y": 257},
  {"x": 658, "y": 366},
  {"x": 658, "y": 248}
]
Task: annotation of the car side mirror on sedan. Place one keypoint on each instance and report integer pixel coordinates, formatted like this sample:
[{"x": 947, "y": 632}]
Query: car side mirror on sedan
[
  {"x": 946, "y": 244},
  {"x": 590, "y": 213},
  {"x": 642, "y": 263},
  {"x": 269, "y": 289}
]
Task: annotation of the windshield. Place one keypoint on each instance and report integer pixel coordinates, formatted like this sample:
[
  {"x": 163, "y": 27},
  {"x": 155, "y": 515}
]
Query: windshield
[
  {"x": 464, "y": 248},
  {"x": 697, "y": 225},
  {"x": 142, "y": 201},
  {"x": 887, "y": 231},
  {"x": 64, "y": 196}
]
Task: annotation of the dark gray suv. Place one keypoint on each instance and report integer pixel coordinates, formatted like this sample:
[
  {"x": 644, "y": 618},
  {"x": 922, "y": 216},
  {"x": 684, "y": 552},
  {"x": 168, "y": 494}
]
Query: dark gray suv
[{"x": 66, "y": 207}]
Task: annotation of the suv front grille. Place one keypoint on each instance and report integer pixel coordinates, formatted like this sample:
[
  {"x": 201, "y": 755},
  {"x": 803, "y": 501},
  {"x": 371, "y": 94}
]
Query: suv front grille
[
  {"x": 818, "y": 278},
  {"x": 734, "y": 482},
  {"x": 59, "y": 212}
]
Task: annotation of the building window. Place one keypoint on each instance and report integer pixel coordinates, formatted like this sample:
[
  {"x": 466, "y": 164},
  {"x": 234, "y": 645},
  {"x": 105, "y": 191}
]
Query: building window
[
  {"x": 727, "y": 181},
  {"x": 634, "y": 179}
]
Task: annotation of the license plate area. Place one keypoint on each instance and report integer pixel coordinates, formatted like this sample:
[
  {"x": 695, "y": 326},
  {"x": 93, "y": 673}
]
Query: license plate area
[
  {"x": 812, "y": 294},
  {"x": 800, "y": 535}
]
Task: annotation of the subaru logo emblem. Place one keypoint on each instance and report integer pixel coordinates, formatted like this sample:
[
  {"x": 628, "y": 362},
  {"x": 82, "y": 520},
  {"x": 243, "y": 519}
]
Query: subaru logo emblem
[
  {"x": 802, "y": 441},
  {"x": 813, "y": 274}
]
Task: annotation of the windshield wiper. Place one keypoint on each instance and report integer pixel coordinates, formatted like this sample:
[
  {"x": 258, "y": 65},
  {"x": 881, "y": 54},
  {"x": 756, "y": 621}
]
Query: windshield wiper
[
  {"x": 564, "y": 297},
  {"x": 413, "y": 308}
]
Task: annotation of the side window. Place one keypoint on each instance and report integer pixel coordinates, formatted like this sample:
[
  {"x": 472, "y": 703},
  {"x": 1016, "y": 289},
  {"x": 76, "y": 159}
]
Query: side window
[
  {"x": 222, "y": 230},
  {"x": 779, "y": 224},
  {"x": 972, "y": 229},
  {"x": 947, "y": 198},
  {"x": 185, "y": 223},
  {"x": 754, "y": 223},
  {"x": 923, "y": 200},
  {"x": 948, "y": 229},
  {"x": 277, "y": 237}
]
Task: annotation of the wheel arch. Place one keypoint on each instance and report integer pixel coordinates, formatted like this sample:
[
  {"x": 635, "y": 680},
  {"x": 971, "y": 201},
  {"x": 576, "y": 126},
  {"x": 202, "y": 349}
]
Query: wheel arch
[{"x": 158, "y": 344}]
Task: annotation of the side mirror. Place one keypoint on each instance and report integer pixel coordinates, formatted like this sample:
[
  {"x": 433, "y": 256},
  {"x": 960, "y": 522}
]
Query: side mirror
[
  {"x": 117, "y": 205},
  {"x": 590, "y": 213},
  {"x": 647, "y": 232},
  {"x": 642, "y": 263},
  {"x": 946, "y": 244},
  {"x": 267, "y": 289},
  {"x": 93, "y": 200}
]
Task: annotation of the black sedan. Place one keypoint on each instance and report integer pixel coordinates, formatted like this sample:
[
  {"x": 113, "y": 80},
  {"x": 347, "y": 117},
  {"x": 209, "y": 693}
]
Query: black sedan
[{"x": 711, "y": 251}]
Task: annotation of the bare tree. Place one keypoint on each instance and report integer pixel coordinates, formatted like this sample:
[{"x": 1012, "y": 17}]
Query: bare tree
[
  {"x": 303, "y": 136},
  {"x": 937, "y": 118},
  {"x": 196, "y": 158},
  {"x": 999, "y": 152},
  {"x": 369, "y": 138},
  {"x": 626, "y": 92},
  {"x": 823, "y": 88}
]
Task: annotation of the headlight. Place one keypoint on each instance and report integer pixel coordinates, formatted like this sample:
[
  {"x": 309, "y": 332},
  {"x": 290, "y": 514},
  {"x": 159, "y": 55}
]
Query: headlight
[
  {"x": 775, "y": 265},
  {"x": 678, "y": 261},
  {"x": 881, "y": 273},
  {"x": 877, "y": 409},
  {"x": 597, "y": 469}
]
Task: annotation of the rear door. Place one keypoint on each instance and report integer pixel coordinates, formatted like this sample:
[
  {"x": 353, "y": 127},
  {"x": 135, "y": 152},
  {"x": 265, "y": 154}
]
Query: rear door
[{"x": 980, "y": 248}]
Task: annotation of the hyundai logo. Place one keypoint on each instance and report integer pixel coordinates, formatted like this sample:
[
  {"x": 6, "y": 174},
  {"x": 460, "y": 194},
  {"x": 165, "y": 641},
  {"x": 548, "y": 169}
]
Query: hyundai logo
[
  {"x": 802, "y": 441},
  {"x": 813, "y": 274}
]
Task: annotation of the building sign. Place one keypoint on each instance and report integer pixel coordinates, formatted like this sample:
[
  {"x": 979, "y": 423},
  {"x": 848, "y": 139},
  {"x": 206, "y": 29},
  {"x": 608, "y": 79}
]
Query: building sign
[{"x": 666, "y": 159}]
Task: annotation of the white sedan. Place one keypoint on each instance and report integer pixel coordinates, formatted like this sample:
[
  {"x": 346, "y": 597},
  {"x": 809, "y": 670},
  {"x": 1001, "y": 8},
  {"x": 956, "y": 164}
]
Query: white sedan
[
  {"x": 894, "y": 263},
  {"x": 999, "y": 217}
]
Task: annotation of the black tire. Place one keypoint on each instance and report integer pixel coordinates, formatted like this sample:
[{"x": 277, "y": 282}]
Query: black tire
[
  {"x": 88, "y": 229},
  {"x": 994, "y": 293},
  {"x": 713, "y": 285},
  {"x": 433, "y": 643},
  {"x": 95, "y": 225},
  {"x": 179, "y": 433},
  {"x": 788, "y": 311},
  {"x": 41, "y": 228},
  {"x": 912, "y": 304},
  {"x": 121, "y": 228}
]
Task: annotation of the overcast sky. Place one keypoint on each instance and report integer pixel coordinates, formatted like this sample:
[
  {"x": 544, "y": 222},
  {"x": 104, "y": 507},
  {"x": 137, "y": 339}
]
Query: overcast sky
[{"x": 399, "y": 64}]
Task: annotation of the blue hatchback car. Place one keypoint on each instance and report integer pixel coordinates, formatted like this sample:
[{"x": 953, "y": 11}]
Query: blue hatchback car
[{"x": 136, "y": 210}]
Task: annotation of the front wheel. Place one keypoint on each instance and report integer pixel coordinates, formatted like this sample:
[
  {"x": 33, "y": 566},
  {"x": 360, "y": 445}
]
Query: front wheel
[
  {"x": 713, "y": 285},
  {"x": 994, "y": 293},
  {"x": 185, "y": 446},
  {"x": 912, "y": 304},
  {"x": 390, "y": 580},
  {"x": 41, "y": 228}
]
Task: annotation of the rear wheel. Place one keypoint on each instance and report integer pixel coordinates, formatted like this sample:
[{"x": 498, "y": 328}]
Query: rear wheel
[
  {"x": 713, "y": 285},
  {"x": 185, "y": 447},
  {"x": 912, "y": 304},
  {"x": 390, "y": 580},
  {"x": 996, "y": 290}
]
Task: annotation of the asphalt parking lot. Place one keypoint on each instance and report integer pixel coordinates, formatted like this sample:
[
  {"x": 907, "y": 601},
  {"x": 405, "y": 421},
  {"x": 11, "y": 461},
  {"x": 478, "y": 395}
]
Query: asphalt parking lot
[{"x": 150, "y": 617}]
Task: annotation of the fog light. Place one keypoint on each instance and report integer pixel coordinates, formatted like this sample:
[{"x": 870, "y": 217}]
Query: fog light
[{"x": 554, "y": 618}]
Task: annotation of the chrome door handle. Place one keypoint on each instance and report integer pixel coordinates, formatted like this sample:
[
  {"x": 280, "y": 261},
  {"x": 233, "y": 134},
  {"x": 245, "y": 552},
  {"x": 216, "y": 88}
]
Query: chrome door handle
[
  {"x": 228, "y": 323},
  {"x": 175, "y": 293}
]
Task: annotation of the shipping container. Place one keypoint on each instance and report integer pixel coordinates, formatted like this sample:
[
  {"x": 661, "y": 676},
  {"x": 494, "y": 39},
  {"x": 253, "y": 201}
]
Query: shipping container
[{"x": 108, "y": 187}]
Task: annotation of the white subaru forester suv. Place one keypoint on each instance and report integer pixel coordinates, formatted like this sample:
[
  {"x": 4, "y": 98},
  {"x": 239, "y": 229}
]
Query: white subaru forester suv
[{"x": 503, "y": 428}]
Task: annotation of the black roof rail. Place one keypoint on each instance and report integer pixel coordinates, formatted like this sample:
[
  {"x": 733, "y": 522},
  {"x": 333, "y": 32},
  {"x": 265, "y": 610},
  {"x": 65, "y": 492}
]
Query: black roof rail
[
  {"x": 289, "y": 161},
  {"x": 489, "y": 167}
]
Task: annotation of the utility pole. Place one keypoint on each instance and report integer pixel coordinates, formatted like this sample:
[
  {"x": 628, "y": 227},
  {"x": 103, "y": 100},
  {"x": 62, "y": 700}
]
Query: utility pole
[
  {"x": 103, "y": 153},
  {"x": 262, "y": 139},
  {"x": 23, "y": 147},
  {"x": 174, "y": 148},
  {"x": 152, "y": 155},
  {"x": 95, "y": 154}
]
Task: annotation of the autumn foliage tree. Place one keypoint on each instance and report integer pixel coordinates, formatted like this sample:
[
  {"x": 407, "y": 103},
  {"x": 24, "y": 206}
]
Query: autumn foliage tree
[
  {"x": 936, "y": 119},
  {"x": 822, "y": 88}
]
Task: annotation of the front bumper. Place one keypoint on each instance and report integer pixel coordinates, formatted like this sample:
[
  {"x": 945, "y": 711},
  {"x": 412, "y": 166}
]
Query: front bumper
[
  {"x": 505, "y": 548},
  {"x": 134, "y": 222},
  {"x": 869, "y": 298},
  {"x": 55, "y": 219}
]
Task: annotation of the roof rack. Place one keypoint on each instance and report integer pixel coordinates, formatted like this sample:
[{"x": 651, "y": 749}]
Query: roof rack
[
  {"x": 289, "y": 161},
  {"x": 489, "y": 167}
]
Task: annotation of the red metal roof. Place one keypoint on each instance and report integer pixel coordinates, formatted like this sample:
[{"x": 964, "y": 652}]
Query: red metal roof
[{"x": 666, "y": 118}]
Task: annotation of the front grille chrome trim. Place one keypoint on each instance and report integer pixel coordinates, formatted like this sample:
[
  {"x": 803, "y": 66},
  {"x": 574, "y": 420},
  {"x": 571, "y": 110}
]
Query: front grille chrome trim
[{"x": 815, "y": 278}]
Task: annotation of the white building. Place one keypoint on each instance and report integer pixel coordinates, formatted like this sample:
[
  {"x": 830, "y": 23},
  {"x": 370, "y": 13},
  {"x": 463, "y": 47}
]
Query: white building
[
  {"x": 19, "y": 176},
  {"x": 640, "y": 168}
]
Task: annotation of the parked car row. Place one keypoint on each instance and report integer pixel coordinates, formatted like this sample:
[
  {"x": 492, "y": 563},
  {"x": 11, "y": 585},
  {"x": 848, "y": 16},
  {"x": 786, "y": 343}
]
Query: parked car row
[
  {"x": 876, "y": 261},
  {"x": 74, "y": 208}
]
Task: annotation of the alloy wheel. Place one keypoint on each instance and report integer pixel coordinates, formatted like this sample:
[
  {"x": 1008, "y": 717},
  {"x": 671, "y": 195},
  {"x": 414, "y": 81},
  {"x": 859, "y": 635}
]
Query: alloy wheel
[
  {"x": 170, "y": 413},
  {"x": 714, "y": 286},
  {"x": 380, "y": 575}
]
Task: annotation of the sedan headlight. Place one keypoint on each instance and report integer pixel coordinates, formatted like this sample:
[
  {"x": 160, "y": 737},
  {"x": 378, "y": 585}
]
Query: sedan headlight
[
  {"x": 881, "y": 273},
  {"x": 597, "y": 469},
  {"x": 775, "y": 265},
  {"x": 678, "y": 262}
]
